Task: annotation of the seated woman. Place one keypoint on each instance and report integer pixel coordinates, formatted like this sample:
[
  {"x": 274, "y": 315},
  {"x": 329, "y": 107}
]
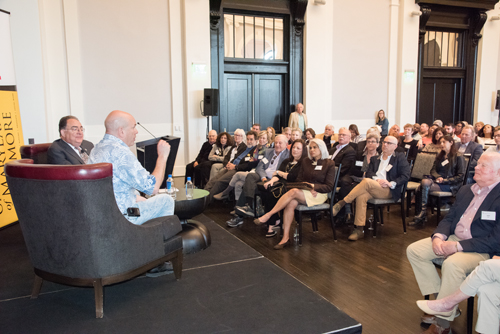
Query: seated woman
[
  {"x": 447, "y": 175},
  {"x": 236, "y": 149},
  {"x": 287, "y": 171},
  {"x": 318, "y": 172},
  {"x": 427, "y": 137},
  {"x": 216, "y": 155},
  {"x": 238, "y": 179},
  {"x": 435, "y": 146},
  {"x": 310, "y": 134},
  {"x": 485, "y": 136},
  {"x": 355, "y": 136},
  {"x": 363, "y": 157},
  {"x": 408, "y": 143}
]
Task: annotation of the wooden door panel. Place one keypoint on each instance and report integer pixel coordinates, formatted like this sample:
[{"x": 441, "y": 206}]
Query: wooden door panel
[
  {"x": 269, "y": 100},
  {"x": 441, "y": 98},
  {"x": 236, "y": 110}
]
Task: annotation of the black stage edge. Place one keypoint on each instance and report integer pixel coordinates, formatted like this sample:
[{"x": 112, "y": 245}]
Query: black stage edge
[{"x": 229, "y": 287}]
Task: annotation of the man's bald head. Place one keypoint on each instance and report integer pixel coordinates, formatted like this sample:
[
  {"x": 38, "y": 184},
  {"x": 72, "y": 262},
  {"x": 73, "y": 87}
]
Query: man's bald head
[
  {"x": 121, "y": 125},
  {"x": 389, "y": 145}
]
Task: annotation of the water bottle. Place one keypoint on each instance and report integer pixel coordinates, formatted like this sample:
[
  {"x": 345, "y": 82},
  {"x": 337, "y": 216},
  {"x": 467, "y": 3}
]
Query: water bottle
[
  {"x": 296, "y": 235},
  {"x": 170, "y": 186},
  {"x": 189, "y": 188},
  {"x": 370, "y": 222}
]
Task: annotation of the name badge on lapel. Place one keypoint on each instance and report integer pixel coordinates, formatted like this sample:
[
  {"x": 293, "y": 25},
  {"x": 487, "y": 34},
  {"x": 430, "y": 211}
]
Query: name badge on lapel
[
  {"x": 247, "y": 159},
  {"x": 488, "y": 215},
  {"x": 359, "y": 163},
  {"x": 444, "y": 163},
  {"x": 407, "y": 146},
  {"x": 388, "y": 168},
  {"x": 217, "y": 152},
  {"x": 319, "y": 167},
  {"x": 265, "y": 161}
]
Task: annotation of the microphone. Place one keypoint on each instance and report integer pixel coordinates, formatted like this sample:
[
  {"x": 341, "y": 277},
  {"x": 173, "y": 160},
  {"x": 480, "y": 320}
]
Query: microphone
[{"x": 147, "y": 130}]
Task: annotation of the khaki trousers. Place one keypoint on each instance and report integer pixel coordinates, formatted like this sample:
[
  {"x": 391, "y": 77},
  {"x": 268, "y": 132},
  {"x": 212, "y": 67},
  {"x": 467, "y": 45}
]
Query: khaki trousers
[
  {"x": 453, "y": 271},
  {"x": 363, "y": 192},
  {"x": 485, "y": 282}
]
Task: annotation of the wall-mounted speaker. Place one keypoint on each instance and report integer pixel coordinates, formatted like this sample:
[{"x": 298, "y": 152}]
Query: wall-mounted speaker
[
  {"x": 210, "y": 102},
  {"x": 497, "y": 105}
]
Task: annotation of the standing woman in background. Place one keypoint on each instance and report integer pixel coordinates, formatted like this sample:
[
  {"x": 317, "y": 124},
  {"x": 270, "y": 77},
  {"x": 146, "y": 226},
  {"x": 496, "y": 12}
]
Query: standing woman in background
[{"x": 382, "y": 122}]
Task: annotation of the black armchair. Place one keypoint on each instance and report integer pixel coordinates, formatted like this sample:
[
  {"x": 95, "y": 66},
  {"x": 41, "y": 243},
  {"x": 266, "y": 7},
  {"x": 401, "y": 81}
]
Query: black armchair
[{"x": 76, "y": 235}]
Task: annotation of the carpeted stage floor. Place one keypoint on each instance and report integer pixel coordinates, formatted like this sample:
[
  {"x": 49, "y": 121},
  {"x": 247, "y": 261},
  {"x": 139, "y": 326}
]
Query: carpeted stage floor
[{"x": 227, "y": 288}]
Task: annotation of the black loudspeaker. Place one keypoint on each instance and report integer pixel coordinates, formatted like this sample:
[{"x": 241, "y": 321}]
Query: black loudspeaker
[
  {"x": 211, "y": 102},
  {"x": 497, "y": 105}
]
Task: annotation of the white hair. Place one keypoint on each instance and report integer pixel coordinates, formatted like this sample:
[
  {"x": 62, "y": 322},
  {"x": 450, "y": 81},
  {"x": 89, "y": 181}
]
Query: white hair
[
  {"x": 242, "y": 133},
  {"x": 322, "y": 147}
]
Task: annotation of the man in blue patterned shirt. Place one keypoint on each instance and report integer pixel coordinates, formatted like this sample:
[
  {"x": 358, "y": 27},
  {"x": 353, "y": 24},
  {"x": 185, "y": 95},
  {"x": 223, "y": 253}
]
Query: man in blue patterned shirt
[{"x": 128, "y": 174}]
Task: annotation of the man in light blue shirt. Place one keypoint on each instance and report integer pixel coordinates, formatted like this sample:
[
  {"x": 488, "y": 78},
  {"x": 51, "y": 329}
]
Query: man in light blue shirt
[{"x": 128, "y": 174}]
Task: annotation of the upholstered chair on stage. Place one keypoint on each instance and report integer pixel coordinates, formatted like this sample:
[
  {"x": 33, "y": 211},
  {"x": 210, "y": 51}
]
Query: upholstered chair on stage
[
  {"x": 76, "y": 235},
  {"x": 36, "y": 152}
]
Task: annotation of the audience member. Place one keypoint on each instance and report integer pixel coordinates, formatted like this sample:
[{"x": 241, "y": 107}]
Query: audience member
[
  {"x": 220, "y": 149},
  {"x": 263, "y": 172},
  {"x": 416, "y": 130},
  {"x": 296, "y": 134},
  {"x": 483, "y": 281},
  {"x": 288, "y": 133},
  {"x": 424, "y": 130},
  {"x": 427, "y": 137},
  {"x": 438, "y": 122},
  {"x": 478, "y": 126},
  {"x": 385, "y": 179},
  {"x": 458, "y": 128},
  {"x": 394, "y": 131},
  {"x": 256, "y": 127},
  {"x": 434, "y": 146},
  {"x": 447, "y": 174},
  {"x": 191, "y": 170},
  {"x": 328, "y": 136},
  {"x": 450, "y": 129},
  {"x": 239, "y": 160},
  {"x": 468, "y": 146},
  {"x": 318, "y": 173},
  {"x": 362, "y": 144},
  {"x": 408, "y": 143},
  {"x": 287, "y": 172},
  {"x": 467, "y": 235},
  {"x": 355, "y": 136},
  {"x": 71, "y": 149},
  {"x": 239, "y": 145},
  {"x": 238, "y": 178},
  {"x": 382, "y": 122},
  {"x": 310, "y": 134},
  {"x": 298, "y": 119},
  {"x": 271, "y": 134},
  {"x": 485, "y": 136},
  {"x": 496, "y": 136}
]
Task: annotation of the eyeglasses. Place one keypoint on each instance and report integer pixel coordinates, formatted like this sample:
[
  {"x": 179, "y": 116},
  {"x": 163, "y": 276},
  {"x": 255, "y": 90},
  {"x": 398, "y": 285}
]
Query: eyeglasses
[
  {"x": 76, "y": 129},
  {"x": 238, "y": 135},
  {"x": 344, "y": 135},
  {"x": 497, "y": 136},
  {"x": 388, "y": 143},
  {"x": 371, "y": 142}
]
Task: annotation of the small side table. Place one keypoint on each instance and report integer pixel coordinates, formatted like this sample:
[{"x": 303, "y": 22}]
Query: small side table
[{"x": 195, "y": 235}]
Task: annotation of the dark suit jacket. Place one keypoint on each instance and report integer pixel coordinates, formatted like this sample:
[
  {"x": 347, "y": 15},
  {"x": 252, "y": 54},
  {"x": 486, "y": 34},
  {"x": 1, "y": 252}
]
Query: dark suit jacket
[
  {"x": 475, "y": 150},
  {"x": 346, "y": 157},
  {"x": 323, "y": 179},
  {"x": 485, "y": 233},
  {"x": 399, "y": 173},
  {"x": 60, "y": 153},
  {"x": 204, "y": 152}
]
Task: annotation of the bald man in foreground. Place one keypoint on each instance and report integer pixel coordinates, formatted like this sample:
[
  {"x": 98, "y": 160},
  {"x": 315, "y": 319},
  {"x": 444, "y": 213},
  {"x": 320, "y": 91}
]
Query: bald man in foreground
[{"x": 128, "y": 174}]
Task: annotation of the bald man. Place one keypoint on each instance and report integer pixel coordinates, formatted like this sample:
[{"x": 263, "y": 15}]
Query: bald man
[
  {"x": 128, "y": 174},
  {"x": 384, "y": 179},
  {"x": 191, "y": 170}
]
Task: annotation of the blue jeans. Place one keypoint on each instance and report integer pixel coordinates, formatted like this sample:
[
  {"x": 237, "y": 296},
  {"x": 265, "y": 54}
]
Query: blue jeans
[{"x": 156, "y": 206}]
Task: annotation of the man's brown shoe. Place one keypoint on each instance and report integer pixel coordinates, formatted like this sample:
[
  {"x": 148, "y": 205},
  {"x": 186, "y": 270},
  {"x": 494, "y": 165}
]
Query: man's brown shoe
[{"x": 435, "y": 329}]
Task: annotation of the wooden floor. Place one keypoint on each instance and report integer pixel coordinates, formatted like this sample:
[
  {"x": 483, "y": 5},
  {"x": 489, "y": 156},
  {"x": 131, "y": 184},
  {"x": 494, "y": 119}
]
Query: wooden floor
[{"x": 371, "y": 279}]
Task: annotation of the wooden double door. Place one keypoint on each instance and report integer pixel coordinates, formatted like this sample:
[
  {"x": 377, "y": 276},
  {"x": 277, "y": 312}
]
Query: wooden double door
[
  {"x": 441, "y": 98},
  {"x": 252, "y": 98}
]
